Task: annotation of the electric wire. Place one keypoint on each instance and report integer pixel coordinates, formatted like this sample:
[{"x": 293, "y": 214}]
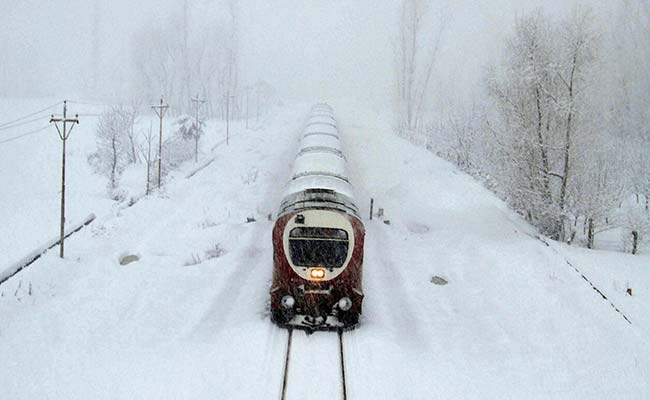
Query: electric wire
[
  {"x": 39, "y": 118},
  {"x": 11, "y": 139},
  {"x": 91, "y": 103},
  {"x": 30, "y": 115}
]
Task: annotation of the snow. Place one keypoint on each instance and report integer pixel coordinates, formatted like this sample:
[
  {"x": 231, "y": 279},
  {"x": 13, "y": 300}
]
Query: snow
[
  {"x": 514, "y": 321},
  {"x": 7, "y": 272},
  {"x": 31, "y": 178}
]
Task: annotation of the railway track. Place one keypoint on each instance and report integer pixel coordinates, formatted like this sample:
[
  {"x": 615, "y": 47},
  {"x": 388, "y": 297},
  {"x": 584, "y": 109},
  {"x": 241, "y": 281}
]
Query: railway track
[{"x": 315, "y": 352}]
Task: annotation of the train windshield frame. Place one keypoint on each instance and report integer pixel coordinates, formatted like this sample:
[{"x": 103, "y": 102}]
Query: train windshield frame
[{"x": 318, "y": 247}]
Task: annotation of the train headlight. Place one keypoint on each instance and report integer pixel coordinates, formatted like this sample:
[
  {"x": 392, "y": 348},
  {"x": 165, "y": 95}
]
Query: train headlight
[
  {"x": 317, "y": 273},
  {"x": 345, "y": 303},
  {"x": 288, "y": 301}
]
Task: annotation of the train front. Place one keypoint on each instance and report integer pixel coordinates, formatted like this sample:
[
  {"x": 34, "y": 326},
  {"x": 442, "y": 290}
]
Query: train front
[{"x": 318, "y": 237}]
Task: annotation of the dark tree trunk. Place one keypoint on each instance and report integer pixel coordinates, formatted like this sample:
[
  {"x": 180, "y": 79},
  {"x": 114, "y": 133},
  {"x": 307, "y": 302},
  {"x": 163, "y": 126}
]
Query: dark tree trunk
[
  {"x": 114, "y": 165},
  {"x": 590, "y": 234},
  {"x": 635, "y": 241}
]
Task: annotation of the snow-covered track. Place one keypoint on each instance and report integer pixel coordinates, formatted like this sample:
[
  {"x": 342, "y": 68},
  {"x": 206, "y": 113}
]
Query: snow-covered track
[
  {"x": 29, "y": 259},
  {"x": 345, "y": 391},
  {"x": 584, "y": 277},
  {"x": 286, "y": 365},
  {"x": 314, "y": 359}
]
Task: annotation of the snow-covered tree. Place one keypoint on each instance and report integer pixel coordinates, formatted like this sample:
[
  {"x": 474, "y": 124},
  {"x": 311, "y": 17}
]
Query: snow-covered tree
[
  {"x": 540, "y": 92},
  {"x": 595, "y": 193},
  {"x": 113, "y": 151}
]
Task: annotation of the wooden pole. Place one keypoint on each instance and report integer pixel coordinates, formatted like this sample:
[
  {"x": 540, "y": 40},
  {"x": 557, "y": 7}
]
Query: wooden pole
[
  {"x": 160, "y": 112},
  {"x": 63, "y": 135},
  {"x": 227, "y": 116},
  {"x": 247, "y": 90},
  {"x": 197, "y": 103},
  {"x": 62, "y": 232}
]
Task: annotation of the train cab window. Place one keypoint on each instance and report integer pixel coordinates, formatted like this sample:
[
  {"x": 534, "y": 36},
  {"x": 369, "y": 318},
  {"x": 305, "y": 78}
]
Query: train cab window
[{"x": 315, "y": 246}]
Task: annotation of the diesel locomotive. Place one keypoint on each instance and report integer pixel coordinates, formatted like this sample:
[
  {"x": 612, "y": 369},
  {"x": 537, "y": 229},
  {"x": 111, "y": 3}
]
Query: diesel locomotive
[{"x": 318, "y": 236}]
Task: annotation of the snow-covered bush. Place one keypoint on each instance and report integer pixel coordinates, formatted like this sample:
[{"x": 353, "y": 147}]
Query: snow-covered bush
[
  {"x": 215, "y": 252},
  {"x": 194, "y": 260},
  {"x": 180, "y": 147}
]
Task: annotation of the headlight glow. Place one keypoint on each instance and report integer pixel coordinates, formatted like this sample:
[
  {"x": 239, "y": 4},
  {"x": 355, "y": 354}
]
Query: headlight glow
[{"x": 317, "y": 273}]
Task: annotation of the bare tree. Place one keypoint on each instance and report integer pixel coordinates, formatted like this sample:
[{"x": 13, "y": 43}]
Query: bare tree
[
  {"x": 415, "y": 55},
  {"x": 196, "y": 50},
  {"x": 130, "y": 115},
  {"x": 595, "y": 193},
  {"x": 578, "y": 47},
  {"x": 149, "y": 154}
]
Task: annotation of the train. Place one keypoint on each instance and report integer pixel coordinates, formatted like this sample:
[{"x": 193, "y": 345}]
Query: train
[{"x": 318, "y": 236}]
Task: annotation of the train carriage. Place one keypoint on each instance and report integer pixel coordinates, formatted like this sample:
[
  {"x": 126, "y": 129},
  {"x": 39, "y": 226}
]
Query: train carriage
[{"x": 318, "y": 236}]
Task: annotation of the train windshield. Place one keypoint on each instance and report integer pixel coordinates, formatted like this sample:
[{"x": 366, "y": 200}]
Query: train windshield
[
  {"x": 318, "y": 233},
  {"x": 312, "y": 247}
]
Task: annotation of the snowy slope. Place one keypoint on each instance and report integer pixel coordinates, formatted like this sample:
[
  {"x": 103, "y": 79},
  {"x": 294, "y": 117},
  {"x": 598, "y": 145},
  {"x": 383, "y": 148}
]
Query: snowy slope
[{"x": 514, "y": 321}]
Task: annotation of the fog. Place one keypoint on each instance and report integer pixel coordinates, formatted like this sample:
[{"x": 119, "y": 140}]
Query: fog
[{"x": 305, "y": 50}]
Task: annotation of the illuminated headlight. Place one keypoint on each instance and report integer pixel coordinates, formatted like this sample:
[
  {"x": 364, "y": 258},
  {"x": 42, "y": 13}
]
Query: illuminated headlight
[
  {"x": 345, "y": 303},
  {"x": 288, "y": 301},
  {"x": 317, "y": 273}
]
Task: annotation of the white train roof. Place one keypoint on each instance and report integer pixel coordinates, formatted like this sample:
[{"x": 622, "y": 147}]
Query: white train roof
[
  {"x": 319, "y": 127},
  {"x": 320, "y": 162},
  {"x": 322, "y": 118},
  {"x": 320, "y": 141}
]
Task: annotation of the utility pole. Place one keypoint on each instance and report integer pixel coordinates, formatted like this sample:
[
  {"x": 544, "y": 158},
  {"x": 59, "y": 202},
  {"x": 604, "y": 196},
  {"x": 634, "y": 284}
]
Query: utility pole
[
  {"x": 247, "y": 90},
  {"x": 228, "y": 96},
  {"x": 63, "y": 134},
  {"x": 257, "y": 109},
  {"x": 160, "y": 112},
  {"x": 196, "y": 102}
]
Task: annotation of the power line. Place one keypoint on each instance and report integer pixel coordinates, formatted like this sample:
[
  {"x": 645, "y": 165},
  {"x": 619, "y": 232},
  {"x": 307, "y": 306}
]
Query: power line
[
  {"x": 11, "y": 139},
  {"x": 29, "y": 115},
  {"x": 39, "y": 118},
  {"x": 91, "y": 103}
]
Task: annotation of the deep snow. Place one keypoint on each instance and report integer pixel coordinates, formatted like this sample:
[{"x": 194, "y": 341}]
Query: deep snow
[{"x": 515, "y": 321}]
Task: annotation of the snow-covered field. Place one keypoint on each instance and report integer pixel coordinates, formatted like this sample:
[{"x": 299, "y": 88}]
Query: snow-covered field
[{"x": 185, "y": 321}]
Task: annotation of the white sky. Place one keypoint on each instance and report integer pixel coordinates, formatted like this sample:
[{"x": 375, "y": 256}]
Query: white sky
[{"x": 306, "y": 49}]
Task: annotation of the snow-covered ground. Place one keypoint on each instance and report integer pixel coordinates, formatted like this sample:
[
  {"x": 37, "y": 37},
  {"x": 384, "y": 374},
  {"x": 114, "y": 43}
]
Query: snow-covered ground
[
  {"x": 190, "y": 321},
  {"x": 30, "y": 176}
]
